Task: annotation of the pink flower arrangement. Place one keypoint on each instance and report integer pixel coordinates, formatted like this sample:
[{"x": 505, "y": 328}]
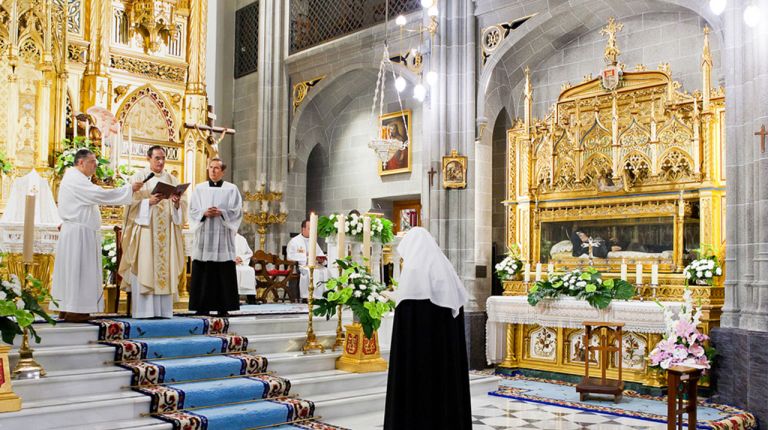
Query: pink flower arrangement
[{"x": 683, "y": 344}]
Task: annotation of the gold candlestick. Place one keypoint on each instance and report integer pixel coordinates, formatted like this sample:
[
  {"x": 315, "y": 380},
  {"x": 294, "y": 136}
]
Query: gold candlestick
[
  {"x": 263, "y": 219},
  {"x": 339, "y": 334},
  {"x": 27, "y": 367},
  {"x": 311, "y": 343}
]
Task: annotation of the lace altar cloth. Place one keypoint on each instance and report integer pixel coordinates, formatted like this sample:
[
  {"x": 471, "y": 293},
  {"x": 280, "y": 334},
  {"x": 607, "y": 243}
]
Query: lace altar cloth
[{"x": 567, "y": 312}]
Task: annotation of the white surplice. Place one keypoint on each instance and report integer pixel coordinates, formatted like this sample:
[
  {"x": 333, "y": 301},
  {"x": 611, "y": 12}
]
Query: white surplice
[
  {"x": 215, "y": 238},
  {"x": 246, "y": 275},
  {"x": 297, "y": 250},
  {"x": 77, "y": 270}
]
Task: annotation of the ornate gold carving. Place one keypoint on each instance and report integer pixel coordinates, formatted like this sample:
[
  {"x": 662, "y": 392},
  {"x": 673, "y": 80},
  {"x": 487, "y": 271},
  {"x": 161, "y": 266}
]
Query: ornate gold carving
[
  {"x": 301, "y": 90},
  {"x": 120, "y": 91},
  {"x": 612, "y": 52},
  {"x": 154, "y": 21},
  {"x": 602, "y": 211},
  {"x": 151, "y": 69},
  {"x": 76, "y": 53}
]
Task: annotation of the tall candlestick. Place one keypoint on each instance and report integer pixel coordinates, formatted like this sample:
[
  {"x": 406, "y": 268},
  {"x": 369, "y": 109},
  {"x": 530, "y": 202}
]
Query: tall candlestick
[
  {"x": 312, "y": 258},
  {"x": 550, "y": 268},
  {"x": 654, "y": 274},
  {"x": 367, "y": 239},
  {"x": 538, "y": 272},
  {"x": 623, "y": 270},
  {"x": 29, "y": 228},
  {"x": 341, "y": 237},
  {"x": 639, "y": 273},
  {"x": 527, "y": 277}
]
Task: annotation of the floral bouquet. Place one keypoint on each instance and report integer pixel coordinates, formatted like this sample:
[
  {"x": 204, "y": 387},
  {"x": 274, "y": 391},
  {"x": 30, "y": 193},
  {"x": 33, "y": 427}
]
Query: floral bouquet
[
  {"x": 683, "y": 344},
  {"x": 358, "y": 290},
  {"x": 586, "y": 285},
  {"x": 66, "y": 159},
  {"x": 381, "y": 228},
  {"x": 508, "y": 268},
  {"x": 109, "y": 254},
  {"x": 19, "y": 306},
  {"x": 702, "y": 271}
]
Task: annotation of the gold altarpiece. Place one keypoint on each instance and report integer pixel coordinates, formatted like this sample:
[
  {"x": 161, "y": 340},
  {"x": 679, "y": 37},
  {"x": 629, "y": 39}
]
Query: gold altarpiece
[
  {"x": 143, "y": 60},
  {"x": 641, "y": 166}
]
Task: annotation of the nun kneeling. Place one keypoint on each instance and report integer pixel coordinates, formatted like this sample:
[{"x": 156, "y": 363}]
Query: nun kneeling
[{"x": 428, "y": 384}]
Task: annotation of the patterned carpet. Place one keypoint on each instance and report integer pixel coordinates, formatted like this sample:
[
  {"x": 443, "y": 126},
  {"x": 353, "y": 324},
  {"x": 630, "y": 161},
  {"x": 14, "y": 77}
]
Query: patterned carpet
[{"x": 201, "y": 378}]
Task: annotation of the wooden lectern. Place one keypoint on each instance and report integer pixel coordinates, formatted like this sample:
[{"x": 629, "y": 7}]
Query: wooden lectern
[
  {"x": 681, "y": 382},
  {"x": 605, "y": 348}
]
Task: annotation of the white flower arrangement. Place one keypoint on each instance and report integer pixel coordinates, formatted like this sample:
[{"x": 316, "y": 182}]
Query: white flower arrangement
[
  {"x": 702, "y": 271},
  {"x": 508, "y": 268}
]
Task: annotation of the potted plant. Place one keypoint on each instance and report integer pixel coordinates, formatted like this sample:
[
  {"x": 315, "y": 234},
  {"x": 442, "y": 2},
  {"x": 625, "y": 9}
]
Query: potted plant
[
  {"x": 109, "y": 257},
  {"x": 19, "y": 307},
  {"x": 358, "y": 290},
  {"x": 510, "y": 266},
  {"x": 587, "y": 285},
  {"x": 66, "y": 159}
]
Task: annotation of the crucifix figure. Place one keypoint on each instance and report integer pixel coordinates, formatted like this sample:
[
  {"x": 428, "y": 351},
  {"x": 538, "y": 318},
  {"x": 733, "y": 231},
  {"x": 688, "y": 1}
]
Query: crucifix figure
[
  {"x": 431, "y": 172},
  {"x": 762, "y": 133},
  {"x": 212, "y": 129}
]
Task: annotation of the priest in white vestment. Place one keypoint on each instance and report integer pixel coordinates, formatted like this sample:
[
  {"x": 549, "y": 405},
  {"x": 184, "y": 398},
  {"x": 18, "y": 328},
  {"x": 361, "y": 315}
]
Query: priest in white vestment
[
  {"x": 77, "y": 270},
  {"x": 298, "y": 250},
  {"x": 246, "y": 275},
  {"x": 215, "y": 213},
  {"x": 153, "y": 246}
]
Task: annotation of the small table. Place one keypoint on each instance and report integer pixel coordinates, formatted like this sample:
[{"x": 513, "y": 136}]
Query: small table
[
  {"x": 601, "y": 385},
  {"x": 682, "y": 381}
]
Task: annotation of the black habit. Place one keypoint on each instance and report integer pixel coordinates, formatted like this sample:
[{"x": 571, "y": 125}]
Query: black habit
[
  {"x": 213, "y": 287},
  {"x": 428, "y": 384}
]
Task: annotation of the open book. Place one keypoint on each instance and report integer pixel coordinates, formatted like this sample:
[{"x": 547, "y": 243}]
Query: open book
[{"x": 167, "y": 189}]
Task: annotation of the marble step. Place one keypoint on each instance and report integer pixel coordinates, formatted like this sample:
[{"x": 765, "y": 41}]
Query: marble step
[
  {"x": 336, "y": 405},
  {"x": 145, "y": 423},
  {"x": 311, "y": 375},
  {"x": 59, "y": 358}
]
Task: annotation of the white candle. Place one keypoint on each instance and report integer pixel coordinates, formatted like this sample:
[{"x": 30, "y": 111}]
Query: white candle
[
  {"x": 623, "y": 270},
  {"x": 265, "y": 206},
  {"x": 87, "y": 130},
  {"x": 312, "y": 258},
  {"x": 527, "y": 277},
  {"x": 272, "y": 185},
  {"x": 367, "y": 238},
  {"x": 340, "y": 237},
  {"x": 29, "y": 228},
  {"x": 280, "y": 186},
  {"x": 654, "y": 274},
  {"x": 262, "y": 180},
  {"x": 639, "y": 273},
  {"x": 130, "y": 145},
  {"x": 538, "y": 272},
  {"x": 283, "y": 208},
  {"x": 74, "y": 128},
  {"x": 246, "y": 186},
  {"x": 550, "y": 268}
]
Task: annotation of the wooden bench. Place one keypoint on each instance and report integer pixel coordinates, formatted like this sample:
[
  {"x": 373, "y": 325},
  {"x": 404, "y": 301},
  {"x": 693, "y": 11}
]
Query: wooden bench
[{"x": 273, "y": 276}]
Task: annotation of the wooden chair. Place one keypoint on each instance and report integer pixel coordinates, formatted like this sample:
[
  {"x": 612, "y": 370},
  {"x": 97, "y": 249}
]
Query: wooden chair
[
  {"x": 681, "y": 382},
  {"x": 605, "y": 348},
  {"x": 272, "y": 277}
]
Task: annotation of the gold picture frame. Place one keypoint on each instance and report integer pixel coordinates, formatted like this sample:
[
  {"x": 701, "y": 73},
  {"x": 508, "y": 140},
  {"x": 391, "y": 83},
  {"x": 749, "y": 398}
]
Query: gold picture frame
[
  {"x": 454, "y": 170},
  {"x": 401, "y": 161}
]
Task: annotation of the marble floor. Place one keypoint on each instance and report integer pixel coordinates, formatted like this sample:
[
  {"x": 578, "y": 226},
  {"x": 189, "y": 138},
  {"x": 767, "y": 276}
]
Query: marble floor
[{"x": 496, "y": 413}]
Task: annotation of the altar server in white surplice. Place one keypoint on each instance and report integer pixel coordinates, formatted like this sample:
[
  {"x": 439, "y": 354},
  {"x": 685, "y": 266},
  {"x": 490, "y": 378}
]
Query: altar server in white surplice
[
  {"x": 298, "y": 250},
  {"x": 77, "y": 270},
  {"x": 153, "y": 245},
  {"x": 246, "y": 275},
  {"x": 215, "y": 213}
]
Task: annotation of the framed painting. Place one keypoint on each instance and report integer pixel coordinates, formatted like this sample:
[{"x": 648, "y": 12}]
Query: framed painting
[
  {"x": 398, "y": 126},
  {"x": 454, "y": 170},
  {"x": 407, "y": 215}
]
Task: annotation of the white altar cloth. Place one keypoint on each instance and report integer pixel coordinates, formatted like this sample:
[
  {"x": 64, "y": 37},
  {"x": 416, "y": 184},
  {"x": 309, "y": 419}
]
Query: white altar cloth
[{"x": 567, "y": 312}]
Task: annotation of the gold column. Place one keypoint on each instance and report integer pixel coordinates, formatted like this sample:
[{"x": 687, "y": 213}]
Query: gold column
[
  {"x": 510, "y": 360},
  {"x": 96, "y": 82},
  {"x": 195, "y": 96}
]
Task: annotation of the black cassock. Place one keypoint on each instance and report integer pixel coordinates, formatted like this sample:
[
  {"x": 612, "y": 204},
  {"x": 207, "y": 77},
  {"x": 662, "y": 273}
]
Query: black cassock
[
  {"x": 213, "y": 286},
  {"x": 428, "y": 384}
]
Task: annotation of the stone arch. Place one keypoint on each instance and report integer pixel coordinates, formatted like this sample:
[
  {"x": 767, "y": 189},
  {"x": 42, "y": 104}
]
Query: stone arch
[
  {"x": 532, "y": 43},
  {"x": 150, "y": 93}
]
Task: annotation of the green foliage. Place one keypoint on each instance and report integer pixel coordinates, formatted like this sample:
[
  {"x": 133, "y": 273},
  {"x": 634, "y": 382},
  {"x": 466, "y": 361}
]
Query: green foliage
[
  {"x": 66, "y": 159},
  {"x": 358, "y": 290},
  {"x": 381, "y": 228},
  {"x": 19, "y": 307},
  {"x": 5, "y": 164},
  {"x": 585, "y": 285}
]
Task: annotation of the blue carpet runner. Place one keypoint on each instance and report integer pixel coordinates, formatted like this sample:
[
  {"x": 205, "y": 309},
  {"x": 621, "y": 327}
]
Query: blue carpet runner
[{"x": 199, "y": 377}]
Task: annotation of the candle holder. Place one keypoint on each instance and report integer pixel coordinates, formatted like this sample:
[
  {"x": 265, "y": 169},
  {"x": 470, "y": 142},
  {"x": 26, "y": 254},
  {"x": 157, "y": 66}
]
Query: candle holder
[
  {"x": 311, "y": 343},
  {"x": 263, "y": 219},
  {"x": 339, "y": 343},
  {"x": 27, "y": 367}
]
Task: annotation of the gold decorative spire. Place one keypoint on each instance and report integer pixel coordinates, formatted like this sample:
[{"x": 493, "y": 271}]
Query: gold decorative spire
[
  {"x": 612, "y": 51},
  {"x": 706, "y": 71}
]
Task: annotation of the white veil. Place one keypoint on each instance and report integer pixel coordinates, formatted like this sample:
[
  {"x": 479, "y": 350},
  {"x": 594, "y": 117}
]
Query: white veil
[{"x": 427, "y": 273}]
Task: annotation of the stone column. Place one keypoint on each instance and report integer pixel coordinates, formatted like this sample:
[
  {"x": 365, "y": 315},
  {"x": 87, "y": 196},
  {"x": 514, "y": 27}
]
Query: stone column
[{"x": 742, "y": 365}]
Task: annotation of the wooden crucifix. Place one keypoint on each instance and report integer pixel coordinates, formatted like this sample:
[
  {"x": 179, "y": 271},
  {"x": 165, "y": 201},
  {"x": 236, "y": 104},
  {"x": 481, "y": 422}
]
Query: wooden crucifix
[
  {"x": 431, "y": 172},
  {"x": 762, "y": 133},
  {"x": 211, "y": 129}
]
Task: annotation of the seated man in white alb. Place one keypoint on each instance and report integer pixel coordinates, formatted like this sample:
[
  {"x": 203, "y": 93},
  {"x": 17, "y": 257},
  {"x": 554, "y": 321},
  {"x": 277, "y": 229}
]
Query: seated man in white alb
[
  {"x": 297, "y": 250},
  {"x": 246, "y": 275}
]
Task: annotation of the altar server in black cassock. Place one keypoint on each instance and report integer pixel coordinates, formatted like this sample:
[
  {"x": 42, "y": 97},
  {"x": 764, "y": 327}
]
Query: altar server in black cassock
[
  {"x": 215, "y": 213},
  {"x": 428, "y": 384}
]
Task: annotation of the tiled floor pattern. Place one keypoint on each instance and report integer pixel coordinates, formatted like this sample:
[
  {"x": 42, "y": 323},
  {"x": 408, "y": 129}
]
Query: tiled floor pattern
[{"x": 495, "y": 413}]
